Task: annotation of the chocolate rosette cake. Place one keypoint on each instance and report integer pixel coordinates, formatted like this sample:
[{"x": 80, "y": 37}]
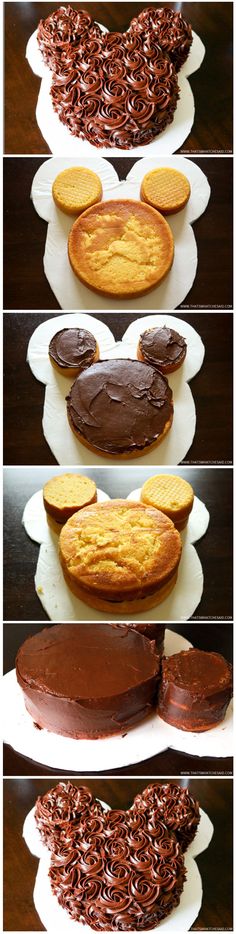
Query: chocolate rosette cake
[
  {"x": 59, "y": 812},
  {"x": 117, "y": 89},
  {"x": 168, "y": 28},
  {"x": 125, "y": 872},
  {"x": 178, "y": 809}
]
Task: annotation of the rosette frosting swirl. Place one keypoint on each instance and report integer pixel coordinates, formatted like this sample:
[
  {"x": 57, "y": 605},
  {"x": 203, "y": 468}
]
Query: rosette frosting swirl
[
  {"x": 168, "y": 28},
  {"x": 176, "y": 807},
  {"x": 116, "y": 875},
  {"x": 117, "y": 89},
  {"x": 59, "y": 812}
]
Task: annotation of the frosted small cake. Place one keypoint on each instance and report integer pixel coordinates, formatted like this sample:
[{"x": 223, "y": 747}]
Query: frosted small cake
[
  {"x": 120, "y": 556},
  {"x": 65, "y": 494},
  {"x": 71, "y": 350},
  {"x": 195, "y": 690},
  {"x": 176, "y": 806},
  {"x": 76, "y": 189},
  {"x": 163, "y": 348},
  {"x": 172, "y": 495}
]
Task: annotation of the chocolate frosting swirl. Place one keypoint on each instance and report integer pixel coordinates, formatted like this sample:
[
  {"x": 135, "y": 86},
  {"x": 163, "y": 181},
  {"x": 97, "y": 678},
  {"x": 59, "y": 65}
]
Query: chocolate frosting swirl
[
  {"x": 162, "y": 346},
  {"x": 119, "y": 875},
  {"x": 72, "y": 347},
  {"x": 175, "y": 806},
  {"x": 61, "y": 810},
  {"x": 118, "y": 89},
  {"x": 120, "y": 405},
  {"x": 168, "y": 28}
]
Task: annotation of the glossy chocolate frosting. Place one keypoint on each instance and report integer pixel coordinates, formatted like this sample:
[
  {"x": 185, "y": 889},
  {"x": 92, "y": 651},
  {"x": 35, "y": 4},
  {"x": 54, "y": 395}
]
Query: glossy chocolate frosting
[
  {"x": 195, "y": 689},
  {"x": 170, "y": 30},
  {"x": 153, "y": 631},
  {"x": 88, "y": 681},
  {"x": 59, "y": 812},
  {"x": 162, "y": 346},
  {"x": 124, "y": 871},
  {"x": 72, "y": 347},
  {"x": 178, "y": 809},
  {"x": 117, "y": 89},
  {"x": 120, "y": 406}
]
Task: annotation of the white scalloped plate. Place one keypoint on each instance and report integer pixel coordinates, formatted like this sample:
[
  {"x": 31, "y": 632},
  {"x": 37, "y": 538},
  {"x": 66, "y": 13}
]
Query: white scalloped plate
[
  {"x": 60, "y": 603},
  {"x": 56, "y": 427},
  {"x": 59, "y": 139},
  {"x": 55, "y": 918},
  {"x": 69, "y": 291}
]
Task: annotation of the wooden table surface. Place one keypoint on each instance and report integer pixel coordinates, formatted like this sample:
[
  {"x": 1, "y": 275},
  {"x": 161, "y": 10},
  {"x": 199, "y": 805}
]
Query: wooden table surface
[
  {"x": 202, "y": 635},
  {"x": 24, "y": 442},
  {"x": 215, "y": 864},
  {"x": 213, "y": 486},
  {"x": 25, "y": 236},
  {"x": 211, "y": 84}
]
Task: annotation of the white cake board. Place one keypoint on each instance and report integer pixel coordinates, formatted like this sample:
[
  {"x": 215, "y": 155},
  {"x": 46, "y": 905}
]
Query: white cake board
[
  {"x": 55, "y": 918},
  {"x": 59, "y": 602},
  {"x": 59, "y": 139},
  {"x": 56, "y": 427},
  {"x": 143, "y": 741},
  {"x": 70, "y": 293}
]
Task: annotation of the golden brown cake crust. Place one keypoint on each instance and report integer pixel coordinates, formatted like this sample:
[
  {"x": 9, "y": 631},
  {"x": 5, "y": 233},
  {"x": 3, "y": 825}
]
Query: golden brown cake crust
[
  {"x": 119, "y": 550},
  {"x": 121, "y": 248},
  {"x": 67, "y": 493},
  {"x": 76, "y": 189},
  {"x": 171, "y": 494},
  {"x": 165, "y": 189}
]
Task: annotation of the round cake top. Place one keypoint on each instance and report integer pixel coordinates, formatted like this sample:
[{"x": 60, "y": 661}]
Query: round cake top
[
  {"x": 76, "y": 189},
  {"x": 120, "y": 550},
  {"x": 170, "y": 493},
  {"x": 170, "y": 30},
  {"x": 197, "y": 672},
  {"x": 176, "y": 806},
  {"x": 72, "y": 347},
  {"x": 166, "y": 189},
  {"x": 63, "y": 806},
  {"x": 122, "y": 873},
  {"x": 86, "y": 662},
  {"x": 162, "y": 346},
  {"x": 120, "y": 405},
  {"x": 121, "y": 247},
  {"x": 66, "y": 493}
]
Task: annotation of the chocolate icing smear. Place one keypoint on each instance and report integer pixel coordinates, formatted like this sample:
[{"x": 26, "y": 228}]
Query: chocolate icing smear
[
  {"x": 162, "y": 346},
  {"x": 120, "y": 405},
  {"x": 117, "y": 89},
  {"x": 72, "y": 347}
]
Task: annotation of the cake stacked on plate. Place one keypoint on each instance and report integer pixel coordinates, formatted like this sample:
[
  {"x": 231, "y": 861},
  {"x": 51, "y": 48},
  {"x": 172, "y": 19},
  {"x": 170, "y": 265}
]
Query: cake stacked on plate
[
  {"x": 117, "y": 870},
  {"x": 115, "y": 89}
]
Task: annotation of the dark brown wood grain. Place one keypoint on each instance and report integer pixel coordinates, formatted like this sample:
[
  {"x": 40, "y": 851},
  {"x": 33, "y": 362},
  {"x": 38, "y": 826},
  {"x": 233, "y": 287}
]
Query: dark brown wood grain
[
  {"x": 215, "y": 864},
  {"x": 217, "y": 638},
  {"x": 24, "y": 442},
  {"x": 25, "y": 284},
  {"x": 211, "y": 84},
  {"x": 213, "y": 486}
]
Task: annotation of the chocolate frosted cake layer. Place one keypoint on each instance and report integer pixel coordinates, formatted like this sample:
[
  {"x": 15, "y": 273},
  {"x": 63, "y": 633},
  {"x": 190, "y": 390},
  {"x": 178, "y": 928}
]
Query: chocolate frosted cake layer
[
  {"x": 88, "y": 680},
  {"x": 120, "y": 406},
  {"x": 162, "y": 347},
  {"x": 117, "y": 89},
  {"x": 72, "y": 347},
  {"x": 175, "y": 806},
  {"x": 59, "y": 812},
  {"x": 170, "y": 30},
  {"x": 195, "y": 690},
  {"x": 124, "y": 872},
  {"x": 153, "y": 631}
]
